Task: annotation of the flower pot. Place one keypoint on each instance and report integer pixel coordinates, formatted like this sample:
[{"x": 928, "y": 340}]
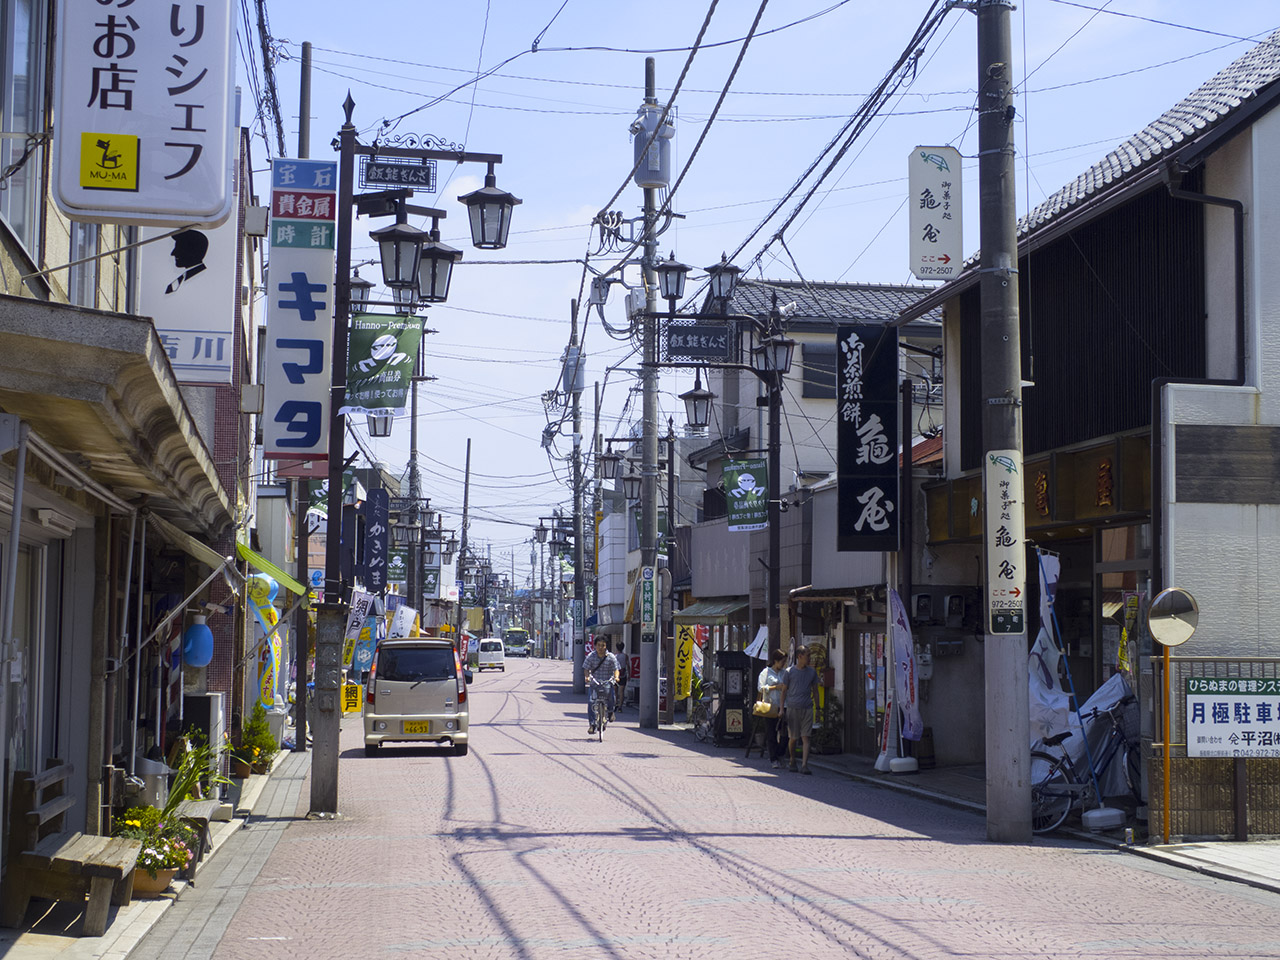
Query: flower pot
[
  {"x": 262, "y": 766},
  {"x": 240, "y": 768},
  {"x": 145, "y": 885}
]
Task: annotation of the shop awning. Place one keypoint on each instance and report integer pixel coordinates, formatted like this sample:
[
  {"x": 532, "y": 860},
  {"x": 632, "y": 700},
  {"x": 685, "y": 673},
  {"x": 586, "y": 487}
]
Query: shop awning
[
  {"x": 715, "y": 612},
  {"x": 263, "y": 565},
  {"x": 187, "y": 543}
]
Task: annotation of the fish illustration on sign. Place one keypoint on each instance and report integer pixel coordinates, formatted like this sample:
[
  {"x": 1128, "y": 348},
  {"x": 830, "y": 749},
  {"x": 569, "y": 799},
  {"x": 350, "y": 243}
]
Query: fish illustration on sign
[
  {"x": 937, "y": 159},
  {"x": 1003, "y": 461}
]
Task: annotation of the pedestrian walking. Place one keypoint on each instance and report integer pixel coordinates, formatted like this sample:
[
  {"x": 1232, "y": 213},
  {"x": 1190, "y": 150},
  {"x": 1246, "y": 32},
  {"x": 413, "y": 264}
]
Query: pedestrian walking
[
  {"x": 769, "y": 688},
  {"x": 798, "y": 684}
]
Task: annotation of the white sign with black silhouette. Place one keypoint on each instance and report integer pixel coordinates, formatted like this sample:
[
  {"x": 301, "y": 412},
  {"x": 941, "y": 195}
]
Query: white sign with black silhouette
[
  {"x": 866, "y": 438},
  {"x": 188, "y": 287}
]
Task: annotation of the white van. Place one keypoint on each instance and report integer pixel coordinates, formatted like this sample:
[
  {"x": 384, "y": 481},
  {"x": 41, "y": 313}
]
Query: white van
[{"x": 492, "y": 656}]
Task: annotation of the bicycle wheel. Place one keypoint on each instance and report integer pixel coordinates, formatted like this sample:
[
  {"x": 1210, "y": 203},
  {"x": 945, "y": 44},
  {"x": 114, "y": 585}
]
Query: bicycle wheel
[
  {"x": 701, "y": 728},
  {"x": 1052, "y": 796},
  {"x": 601, "y": 719}
]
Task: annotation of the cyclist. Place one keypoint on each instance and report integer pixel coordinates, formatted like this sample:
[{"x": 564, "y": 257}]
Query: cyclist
[{"x": 601, "y": 670}]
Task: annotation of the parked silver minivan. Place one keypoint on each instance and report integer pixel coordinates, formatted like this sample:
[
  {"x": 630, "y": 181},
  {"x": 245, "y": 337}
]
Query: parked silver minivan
[{"x": 417, "y": 692}]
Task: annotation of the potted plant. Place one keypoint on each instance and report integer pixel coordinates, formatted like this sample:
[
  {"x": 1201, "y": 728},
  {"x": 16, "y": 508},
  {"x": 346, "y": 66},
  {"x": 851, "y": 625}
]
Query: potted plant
[
  {"x": 168, "y": 844},
  {"x": 258, "y": 745},
  {"x": 827, "y": 737}
]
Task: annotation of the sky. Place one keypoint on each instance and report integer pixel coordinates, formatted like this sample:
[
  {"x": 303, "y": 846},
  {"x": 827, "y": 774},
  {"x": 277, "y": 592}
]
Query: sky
[{"x": 560, "y": 81}]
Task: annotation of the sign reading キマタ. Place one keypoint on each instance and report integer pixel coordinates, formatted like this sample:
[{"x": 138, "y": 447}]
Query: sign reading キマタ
[{"x": 145, "y": 112}]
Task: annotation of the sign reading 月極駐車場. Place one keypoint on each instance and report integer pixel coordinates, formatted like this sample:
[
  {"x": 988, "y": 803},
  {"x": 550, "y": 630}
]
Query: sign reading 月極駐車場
[
  {"x": 145, "y": 111},
  {"x": 1233, "y": 717}
]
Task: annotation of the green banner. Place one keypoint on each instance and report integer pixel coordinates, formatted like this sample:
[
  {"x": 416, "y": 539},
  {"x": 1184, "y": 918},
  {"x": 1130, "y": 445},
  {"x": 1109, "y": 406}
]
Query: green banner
[
  {"x": 746, "y": 495},
  {"x": 382, "y": 352},
  {"x": 398, "y": 565}
]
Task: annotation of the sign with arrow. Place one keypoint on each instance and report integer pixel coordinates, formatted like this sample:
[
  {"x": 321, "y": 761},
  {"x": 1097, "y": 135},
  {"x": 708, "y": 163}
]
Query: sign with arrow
[
  {"x": 933, "y": 175},
  {"x": 1005, "y": 526}
]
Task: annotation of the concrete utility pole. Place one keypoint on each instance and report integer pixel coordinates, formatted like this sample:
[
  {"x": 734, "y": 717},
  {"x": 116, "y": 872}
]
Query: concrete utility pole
[
  {"x": 649, "y": 429},
  {"x": 301, "y": 500},
  {"x": 1007, "y": 724},
  {"x": 462, "y": 547},
  {"x": 579, "y": 580}
]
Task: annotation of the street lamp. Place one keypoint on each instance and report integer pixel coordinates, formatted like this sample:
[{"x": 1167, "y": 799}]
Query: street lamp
[
  {"x": 435, "y": 269},
  {"x": 490, "y": 210},
  {"x": 632, "y": 484},
  {"x": 379, "y": 424},
  {"x": 541, "y": 532},
  {"x": 361, "y": 291},
  {"x": 671, "y": 276},
  {"x": 697, "y": 403},
  {"x": 724, "y": 279},
  {"x": 399, "y": 249},
  {"x": 608, "y": 465}
]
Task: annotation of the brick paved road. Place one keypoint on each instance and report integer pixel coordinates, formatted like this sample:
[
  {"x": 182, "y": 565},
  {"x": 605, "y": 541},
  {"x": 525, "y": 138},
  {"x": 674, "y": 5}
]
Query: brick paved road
[{"x": 543, "y": 844}]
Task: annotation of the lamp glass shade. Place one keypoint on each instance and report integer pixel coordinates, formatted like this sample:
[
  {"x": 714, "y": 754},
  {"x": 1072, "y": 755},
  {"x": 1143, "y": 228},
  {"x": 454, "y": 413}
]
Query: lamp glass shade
[
  {"x": 609, "y": 465},
  {"x": 489, "y": 210},
  {"x": 697, "y": 406},
  {"x": 404, "y": 298},
  {"x": 541, "y": 533},
  {"x": 724, "y": 279},
  {"x": 631, "y": 484},
  {"x": 399, "y": 534},
  {"x": 774, "y": 355},
  {"x": 361, "y": 292},
  {"x": 197, "y": 643},
  {"x": 452, "y": 545},
  {"x": 400, "y": 248},
  {"x": 671, "y": 276},
  {"x": 379, "y": 424},
  {"x": 446, "y": 557},
  {"x": 435, "y": 270}
]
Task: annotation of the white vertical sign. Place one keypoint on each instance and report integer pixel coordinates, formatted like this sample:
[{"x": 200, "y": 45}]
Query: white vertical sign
[
  {"x": 933, "y": 176},
  {"x": 1005, "y": 541},
  {"x": 145, "y": 110},
  {"x": 295, "y": 418}
]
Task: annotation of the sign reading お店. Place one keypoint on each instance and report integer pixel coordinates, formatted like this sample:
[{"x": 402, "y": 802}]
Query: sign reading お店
[{"x": 145, "y": 110}]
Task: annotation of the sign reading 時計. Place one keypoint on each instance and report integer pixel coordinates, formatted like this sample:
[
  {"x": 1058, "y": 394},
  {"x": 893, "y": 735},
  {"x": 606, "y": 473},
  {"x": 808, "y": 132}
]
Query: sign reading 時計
[
  {"x": 933, "y": 176},
  {"x": 1233, "y": 717},
  {"x": 145, "y": 111},
  {"x": 1006, "y": 549}
]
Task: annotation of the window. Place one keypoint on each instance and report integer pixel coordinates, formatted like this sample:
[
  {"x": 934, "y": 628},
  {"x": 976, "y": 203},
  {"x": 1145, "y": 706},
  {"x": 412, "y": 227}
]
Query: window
[
  {"x": 819, "y": 370},
  {"x": 22, "y": 63},
  {"x": 82, "y": 279},
  {"x": 416, "y": 663}
]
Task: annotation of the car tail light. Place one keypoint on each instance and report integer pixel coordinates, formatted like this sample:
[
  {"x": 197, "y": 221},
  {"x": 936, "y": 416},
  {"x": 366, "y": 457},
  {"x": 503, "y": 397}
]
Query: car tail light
[
  {"x": 368, "y": 693},
  {"x": 457, "y": 672}
]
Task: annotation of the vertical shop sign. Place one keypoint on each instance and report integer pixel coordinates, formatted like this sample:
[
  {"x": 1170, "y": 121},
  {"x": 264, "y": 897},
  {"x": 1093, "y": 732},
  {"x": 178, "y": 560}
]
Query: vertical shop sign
[
  {"x": 933, "y": 183},
  {"x": 867, "y": 438},
  {"x": 376, "y": 530},
  {"x": 1005, "y": 541},
  {"x": 295, "y": 419},
  {"x": 145, "y": 110}
]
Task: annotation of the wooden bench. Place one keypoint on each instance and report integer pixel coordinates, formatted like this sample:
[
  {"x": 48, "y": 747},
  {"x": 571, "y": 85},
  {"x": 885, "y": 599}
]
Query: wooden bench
[
  {"x": 47, "y": 860},
  {"x": 198, "y": 813}
]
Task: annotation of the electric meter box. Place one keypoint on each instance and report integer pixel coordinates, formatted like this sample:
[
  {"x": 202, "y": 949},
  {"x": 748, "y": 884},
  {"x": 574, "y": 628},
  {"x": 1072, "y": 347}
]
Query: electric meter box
[{"x": 653, "y": 165}]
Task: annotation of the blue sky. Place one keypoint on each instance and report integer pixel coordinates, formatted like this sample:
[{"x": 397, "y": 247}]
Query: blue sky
[{"x": 560, "y": 116}]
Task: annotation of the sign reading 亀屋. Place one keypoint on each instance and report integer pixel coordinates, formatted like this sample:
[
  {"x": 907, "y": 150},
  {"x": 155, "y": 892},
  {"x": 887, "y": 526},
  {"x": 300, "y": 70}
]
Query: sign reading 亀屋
[
  {"x": 933, "y": 176},
  {"x": 1233, "y": 717},
  {"x": 1005, "y": 536},
  {"x": 866, "y": 438},
  {"x": 145, "y": 111}
]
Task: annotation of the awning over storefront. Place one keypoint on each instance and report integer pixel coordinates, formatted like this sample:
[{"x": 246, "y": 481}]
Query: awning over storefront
[
  {"x": 714, "y": 612},
  {"x": 811, "y": 595},
  {"x": 263, "y": 565},
  {"x": 187, "y": 543}
]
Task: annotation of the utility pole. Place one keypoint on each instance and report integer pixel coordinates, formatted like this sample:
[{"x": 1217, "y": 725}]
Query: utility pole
[
  {"x": 649, "y": 430},
  {"x": 462, "y": 547},
  {"x": 579, "y": 579},
  {"x": 301, "y": 501},
  {"x": 413, "y": 584},
  {"x": 1007, "y": 723}
]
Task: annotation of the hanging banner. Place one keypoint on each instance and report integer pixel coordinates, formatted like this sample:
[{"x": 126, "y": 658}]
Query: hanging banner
[
  {"x": 746, "y": 495},
  {"x": 146, "y": 112},
  {"x": 867, "y": 438},
  {"x": 296, "y": 371},
  {"x": 684, "y": 660},
  {"x": 382, "y": 354},
  {"x": 377, "y": 531},
  {"x": 261, "y": 591},
  {"x": 357, "y": 613},
  {"x": 905, "y": 686},
  {"x": 362, "y": 661}
]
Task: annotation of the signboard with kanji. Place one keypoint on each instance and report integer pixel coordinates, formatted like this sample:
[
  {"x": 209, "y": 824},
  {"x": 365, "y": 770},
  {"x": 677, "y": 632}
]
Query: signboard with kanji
[
  {"x": 648, "y": 600},
  {"x": 1233, "y": 717},
  {"x": 933, "y": 175},
  {"x": 377, "y": 531},
  {"x": 867, "y": 438},
  {"x": 1005, "y": 541},
  {"x": 145, "y": 111}
]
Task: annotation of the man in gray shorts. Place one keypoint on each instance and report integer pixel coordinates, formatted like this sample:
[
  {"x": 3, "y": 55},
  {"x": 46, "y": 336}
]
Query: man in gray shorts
[{"x": 798, "y": 684}]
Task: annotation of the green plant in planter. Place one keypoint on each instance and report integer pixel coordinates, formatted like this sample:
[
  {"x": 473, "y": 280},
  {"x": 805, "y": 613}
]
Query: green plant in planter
[
  {"x": 168, "y": 842},
  {"x": 258, "y": 745},
  {"x": 827, "y": 738}
]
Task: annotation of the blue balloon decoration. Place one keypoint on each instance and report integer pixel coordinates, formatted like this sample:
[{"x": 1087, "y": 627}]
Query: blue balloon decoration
[{"x": 197, "y": 643}]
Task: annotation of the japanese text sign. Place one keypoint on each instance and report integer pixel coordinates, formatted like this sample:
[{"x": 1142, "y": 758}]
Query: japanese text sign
[
  {"x": 746, "y": 495},
  {"x": 377, "y": 531},
  {"x": 1233, "y": 717},
  {"x": 700, "y": 341},
  {"x": 145, "y": 111},
  {"x": 1005, "y": 541},
  {"x": 933, "y": 176},
  {"x": 382, "y": 352},
  {"x": 295, "y": 419},
  {"x": 648, "y": 600},
  {"x": 866, "y": 438}
]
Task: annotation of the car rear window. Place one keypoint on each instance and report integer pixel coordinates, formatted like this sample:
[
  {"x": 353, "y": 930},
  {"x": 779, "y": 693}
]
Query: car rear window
[
  {"x": 415, "y": 663},
  {"x": 490, "y": 645}
]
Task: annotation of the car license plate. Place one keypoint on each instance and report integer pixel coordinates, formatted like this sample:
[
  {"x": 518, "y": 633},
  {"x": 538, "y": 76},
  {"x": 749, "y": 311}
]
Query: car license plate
[{"x": 417, "y": 726}]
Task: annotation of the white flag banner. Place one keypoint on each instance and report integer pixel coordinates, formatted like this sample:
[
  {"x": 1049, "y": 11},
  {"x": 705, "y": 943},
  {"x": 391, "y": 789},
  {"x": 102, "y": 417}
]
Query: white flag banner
[{"x": 906, "y": 689}]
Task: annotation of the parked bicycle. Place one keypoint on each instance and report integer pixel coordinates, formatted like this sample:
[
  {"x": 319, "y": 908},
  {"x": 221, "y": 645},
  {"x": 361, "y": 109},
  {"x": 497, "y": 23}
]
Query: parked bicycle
[
  {"x": 705, "y": 708},
  {"x": 1061, "y": 786}
]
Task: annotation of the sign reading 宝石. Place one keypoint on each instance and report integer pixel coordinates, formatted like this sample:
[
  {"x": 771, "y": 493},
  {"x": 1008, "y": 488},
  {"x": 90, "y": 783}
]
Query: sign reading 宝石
[
  {"x": 145, "y": 111},
  {"x": 933, "y": 176},
  {"x": 1233, "y": 717},
  {"x": 866, "y": 438},
  {"x": 1005, "y": 539}
]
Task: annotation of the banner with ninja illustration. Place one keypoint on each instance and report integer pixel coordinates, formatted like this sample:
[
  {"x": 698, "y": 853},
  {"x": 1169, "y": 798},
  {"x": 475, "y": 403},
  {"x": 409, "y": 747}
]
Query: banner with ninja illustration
[{"x": 382, "y": 352}]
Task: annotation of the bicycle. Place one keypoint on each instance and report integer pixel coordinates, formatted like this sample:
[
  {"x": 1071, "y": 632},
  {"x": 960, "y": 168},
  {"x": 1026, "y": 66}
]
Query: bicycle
[
  {"x": 1060, "y": 789},
  {"x": 598, "y": 709},
  {"x": 705, "y": 708}
]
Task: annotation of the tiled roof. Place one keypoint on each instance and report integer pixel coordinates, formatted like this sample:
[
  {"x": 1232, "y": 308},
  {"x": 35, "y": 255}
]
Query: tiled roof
[
  {"x": 868, "y": 302},
  {"x": 1189, "y": 118}
]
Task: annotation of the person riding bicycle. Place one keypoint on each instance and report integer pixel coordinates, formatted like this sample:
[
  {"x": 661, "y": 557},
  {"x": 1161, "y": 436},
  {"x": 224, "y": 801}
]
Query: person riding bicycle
[{"x": 601, "y": 670}]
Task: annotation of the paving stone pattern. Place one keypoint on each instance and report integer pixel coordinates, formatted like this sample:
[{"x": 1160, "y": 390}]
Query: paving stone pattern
[{"x": 542, "y": 843}]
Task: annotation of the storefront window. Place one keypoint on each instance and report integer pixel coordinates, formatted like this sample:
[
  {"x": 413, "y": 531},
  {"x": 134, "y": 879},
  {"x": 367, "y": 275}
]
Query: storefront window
[{"x": 22, "y": 59}]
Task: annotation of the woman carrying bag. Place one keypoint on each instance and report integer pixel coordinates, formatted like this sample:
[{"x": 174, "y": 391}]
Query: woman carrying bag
[{"x": 769, "y": 689}]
